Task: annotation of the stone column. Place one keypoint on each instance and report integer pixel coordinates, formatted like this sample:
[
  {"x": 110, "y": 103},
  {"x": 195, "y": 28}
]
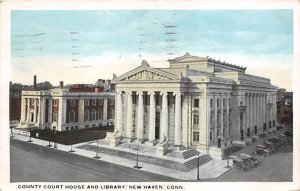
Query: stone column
[
  {"x": 254, "y": 110},
  {"x": 140, "y": 114},
  {"x": 250, "y": 112},
  {"x": 105, "y": 109},
  {"x": 129, "y": 115},
  {"x": 264, "y": 109},
  {"x": 164, "y": 116},
  {"x": 28, "y": 109},
  {"x": 261, "y": 111},
  {"x": 152, "y": 117},
  {"x": 247, "y": 114},
  {"x": 23, "y": 105},
  {"x": 221, "y": 116},
  {"x": 118, "y": 115},
  {"x": 39, "y": 115},
  {"x": 177, "y": 119},
  {"x": 34, "y": 110}
]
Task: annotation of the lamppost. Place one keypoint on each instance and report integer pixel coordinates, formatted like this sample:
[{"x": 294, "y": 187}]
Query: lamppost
[
  {"x": 228, "y": 156},
  {"x": 97, "y": 156},
  {"x": 29, "y": 141},
  {"x": 12, "y": 133},
  {"x": 137, "y": 155},
  {"x": 49, "y": 134},
  {"x": 198, "y": 166},
  {"x": 70, "y": 151}
]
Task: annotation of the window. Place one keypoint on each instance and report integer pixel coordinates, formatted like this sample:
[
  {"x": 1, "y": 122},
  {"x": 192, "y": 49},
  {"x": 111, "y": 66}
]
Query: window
[
  {"x": 224, "y": 102},
  {"x": 229, "y": 117},
  {"x": 86, "y": 115},
  {"x": 211, "y": 119},
  {"x": 93, "y": 125},
  {"x": 72, "y": 116},
  {"x": 196, "y": 136},
  {"x": 218, "y": 103},
  {"x": 100, "y": 113},
  {"x": 86, "y": 102},
  {"x": 72, "y": 127},
  {"x": 67, "y": 128},
  {"x": 229, "y": 102},
  {"x": 100, "y": 101},
  {"x": 76, "y": 127},
  {"x": 93, "y": 115},
  {"x": 86, "y": 126},
  {"x": 241, "y": 103},
  {"x": 218, "y": 118},
  {"x": 196, "y": 103},
  {"x": 72, "y": 102},
  {"x": 224, "y": 117},
  {"x": 196, "y": 119},
  {"x": 94, "y": 102}
]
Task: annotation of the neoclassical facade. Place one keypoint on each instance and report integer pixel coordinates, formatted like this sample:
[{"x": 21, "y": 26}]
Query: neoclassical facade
[
  {"x": 62, "y": 110},
  {"x": 194, "y": 103}
]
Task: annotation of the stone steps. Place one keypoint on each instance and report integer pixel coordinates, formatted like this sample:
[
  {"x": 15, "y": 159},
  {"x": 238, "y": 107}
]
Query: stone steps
[
  {"x": 189, "y": 153},
  {"x": 193, "y": 162}
]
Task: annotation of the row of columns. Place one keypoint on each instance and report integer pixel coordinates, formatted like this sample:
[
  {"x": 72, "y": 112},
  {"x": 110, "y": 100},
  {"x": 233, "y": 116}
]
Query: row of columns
[
  {"x": 152, "y": 114},
  {"x": 25, "y": 110},
  {"x": 256, "y": 111}
]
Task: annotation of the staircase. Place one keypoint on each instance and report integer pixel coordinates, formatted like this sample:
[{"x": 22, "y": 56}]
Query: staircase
[
  {"x": 193, "y": 162},
  {"x": 189, "y": 153}
]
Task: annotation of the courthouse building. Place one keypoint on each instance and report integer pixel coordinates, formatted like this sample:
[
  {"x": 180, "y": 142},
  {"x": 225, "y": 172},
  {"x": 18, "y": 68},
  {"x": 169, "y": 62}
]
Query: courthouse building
[
  {"x": 195, "y": 103},
  {"x": 62, "y": 109}
]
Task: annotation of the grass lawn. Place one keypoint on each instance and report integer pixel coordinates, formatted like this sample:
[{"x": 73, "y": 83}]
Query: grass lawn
[{"x": 73, "y": 136}]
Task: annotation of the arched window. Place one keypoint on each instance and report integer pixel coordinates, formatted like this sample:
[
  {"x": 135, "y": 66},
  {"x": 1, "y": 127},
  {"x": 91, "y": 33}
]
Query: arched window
[
  {"x": 72, "y": 116},
  {"x": 86, "y": 115},
  {"x": 92, "y": 115},
  {"x": 100, "y": 114}
]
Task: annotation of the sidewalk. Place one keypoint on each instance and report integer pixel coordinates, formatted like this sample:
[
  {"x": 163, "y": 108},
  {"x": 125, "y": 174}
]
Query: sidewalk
[{"x": 209, "y": 170}]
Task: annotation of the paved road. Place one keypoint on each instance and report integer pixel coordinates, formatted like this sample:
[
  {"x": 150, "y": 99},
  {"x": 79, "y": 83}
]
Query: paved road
[{"x": 34, "y": 163}]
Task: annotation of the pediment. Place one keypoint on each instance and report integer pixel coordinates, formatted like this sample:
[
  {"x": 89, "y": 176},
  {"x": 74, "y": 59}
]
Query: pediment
[
  {"x": 188, "y": 58},
  {"x": 145, "y": 73}
]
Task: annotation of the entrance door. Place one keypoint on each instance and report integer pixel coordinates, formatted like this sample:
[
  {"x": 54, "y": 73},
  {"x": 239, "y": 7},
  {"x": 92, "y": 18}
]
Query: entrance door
[{"x": 157, "y": 123}]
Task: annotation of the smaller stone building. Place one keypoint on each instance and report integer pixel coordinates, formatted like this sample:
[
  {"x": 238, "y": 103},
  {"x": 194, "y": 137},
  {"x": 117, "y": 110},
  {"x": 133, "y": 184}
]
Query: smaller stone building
[{"x": 64, "y": 109}]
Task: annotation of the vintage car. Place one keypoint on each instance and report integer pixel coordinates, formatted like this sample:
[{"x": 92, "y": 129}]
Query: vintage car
[
  {"x": 254, "y": 160},
  {"x": 262, "y": 151},
  {"x": 239, "y": 164},
  {"x": 270, "y": 146}
]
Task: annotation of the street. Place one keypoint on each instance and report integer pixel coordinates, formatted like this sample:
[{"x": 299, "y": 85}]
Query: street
[{"x": 34, "y": 163}]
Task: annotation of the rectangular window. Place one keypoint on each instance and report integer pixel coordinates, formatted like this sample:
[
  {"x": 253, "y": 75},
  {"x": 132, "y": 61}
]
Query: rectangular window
[
  {"x": 196, "y": 119},
  {"x": 218, "y": 103},
  {"x": 67, "y": 128},
  {"x": 196, "y": 136},
  {"x": 86, "y": 102},
  {"x": 229, "y": 102},
  {"x": 218, "y": 118},
  {"x": 76, "y": 127},
  {"x": 72, "y": 102},
  {"x": 196, "y": 103},
  {"x": 94, "y": 102},
  {"x": 211, "y": 119},
  {"x": 224, "y": 117},
  {"x": 224, "y": 102},
  {"x": 211, "y": 103}
]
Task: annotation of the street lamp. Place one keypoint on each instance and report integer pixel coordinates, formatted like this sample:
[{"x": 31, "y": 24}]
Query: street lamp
[
  {"x": 70, "y": 151},
  {"x": 97, "y": 157},
  {"x": 29, "y": 141},
  {"x": 137, "y": 156},
  {"x": 198, "y": 166},
  {"x": 228, "y": 156},
  {"x": 49, "y": 145}
]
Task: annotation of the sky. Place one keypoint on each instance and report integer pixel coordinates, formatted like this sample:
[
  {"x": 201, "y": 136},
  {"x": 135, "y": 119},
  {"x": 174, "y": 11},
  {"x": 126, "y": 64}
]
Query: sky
[{"x": 83, "y": 46}]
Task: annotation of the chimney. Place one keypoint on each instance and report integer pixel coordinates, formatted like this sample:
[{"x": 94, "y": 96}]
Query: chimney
[
  {"x": 61, "y": 84},
  {"x": 34, "y": 82}
]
